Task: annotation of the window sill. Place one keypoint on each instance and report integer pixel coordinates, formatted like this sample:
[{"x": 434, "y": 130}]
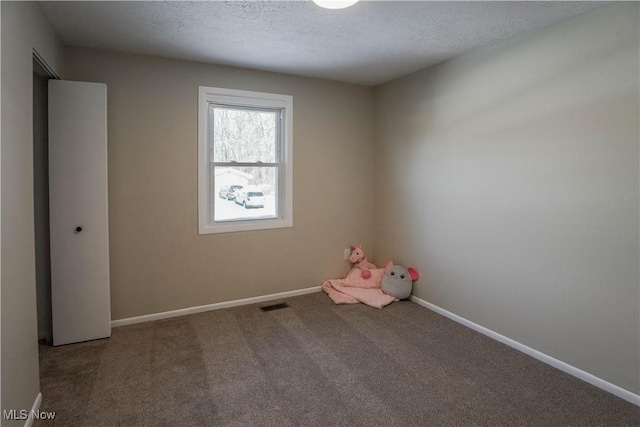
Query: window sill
[{"x": 236, "y": 226}]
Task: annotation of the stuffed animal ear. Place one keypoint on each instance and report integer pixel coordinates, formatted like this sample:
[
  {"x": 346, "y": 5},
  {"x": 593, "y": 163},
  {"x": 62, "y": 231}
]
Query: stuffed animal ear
[
  {"x": 353, "y": 248},
  {"x": 413, "y": 273},
  {"x": 388, "y": 266}
]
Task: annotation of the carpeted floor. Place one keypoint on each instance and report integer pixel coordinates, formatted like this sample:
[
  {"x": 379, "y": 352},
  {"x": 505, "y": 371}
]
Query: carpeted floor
[{"x": 313, "y": 364}]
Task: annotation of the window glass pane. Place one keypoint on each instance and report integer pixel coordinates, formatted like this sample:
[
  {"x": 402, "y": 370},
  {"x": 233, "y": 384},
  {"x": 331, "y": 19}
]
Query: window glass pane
[
  {"x": 241, "y": 135},
  {"x": 245, "y": 193}
]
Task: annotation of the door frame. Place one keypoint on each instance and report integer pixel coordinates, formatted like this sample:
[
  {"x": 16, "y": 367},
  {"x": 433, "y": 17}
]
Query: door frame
[{"x": 48, "y": 333}]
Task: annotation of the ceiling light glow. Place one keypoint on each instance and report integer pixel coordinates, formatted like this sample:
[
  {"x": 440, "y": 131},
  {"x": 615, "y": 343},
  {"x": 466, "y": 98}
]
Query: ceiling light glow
[{"x": 335, "y": 4}]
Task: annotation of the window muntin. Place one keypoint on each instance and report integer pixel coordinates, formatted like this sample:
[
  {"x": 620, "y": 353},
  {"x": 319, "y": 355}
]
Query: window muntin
[{"x": 244, "y": 141}]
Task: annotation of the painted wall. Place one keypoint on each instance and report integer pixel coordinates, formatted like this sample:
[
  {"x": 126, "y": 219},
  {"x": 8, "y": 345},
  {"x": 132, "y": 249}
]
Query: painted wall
[
  {"x": 158, "y": 260},
  {"x": 23, "y": 29},
  {"x": 509, "y": 177}
]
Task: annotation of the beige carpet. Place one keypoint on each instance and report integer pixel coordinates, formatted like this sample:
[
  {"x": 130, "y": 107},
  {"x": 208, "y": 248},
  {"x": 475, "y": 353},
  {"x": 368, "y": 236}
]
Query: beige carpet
[{"x": 313, "y": 364}]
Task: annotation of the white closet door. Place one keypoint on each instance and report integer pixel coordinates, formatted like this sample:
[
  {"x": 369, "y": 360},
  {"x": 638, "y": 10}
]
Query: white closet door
[{"x": 80, "y": 297}]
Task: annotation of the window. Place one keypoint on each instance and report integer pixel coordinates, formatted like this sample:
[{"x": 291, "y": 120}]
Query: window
[{"x": 244, "y": 160}]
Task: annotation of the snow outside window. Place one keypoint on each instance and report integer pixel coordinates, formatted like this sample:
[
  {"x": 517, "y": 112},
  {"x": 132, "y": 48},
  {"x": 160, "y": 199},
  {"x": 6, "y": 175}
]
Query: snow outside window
[{"x": 245, "y": 152}]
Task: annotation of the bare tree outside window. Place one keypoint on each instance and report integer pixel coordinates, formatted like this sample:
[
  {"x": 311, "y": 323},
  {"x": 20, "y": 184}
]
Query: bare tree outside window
[
  {"x": 244, "y": 155},
  {"x": 244, "y": 135}
]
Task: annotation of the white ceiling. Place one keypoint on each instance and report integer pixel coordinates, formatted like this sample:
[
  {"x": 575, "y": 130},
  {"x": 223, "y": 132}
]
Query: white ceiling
[{"x": 369, "y": 43}]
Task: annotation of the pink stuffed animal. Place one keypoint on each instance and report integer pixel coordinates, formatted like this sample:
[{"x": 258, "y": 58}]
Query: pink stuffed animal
[{"x": 359, "y": 260}]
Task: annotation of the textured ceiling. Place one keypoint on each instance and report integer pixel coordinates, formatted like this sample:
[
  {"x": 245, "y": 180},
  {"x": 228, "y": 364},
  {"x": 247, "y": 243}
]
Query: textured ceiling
[{"x": 369, "y": 43}]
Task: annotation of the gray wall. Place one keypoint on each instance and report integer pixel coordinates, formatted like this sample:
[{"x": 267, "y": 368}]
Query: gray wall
[
  {"x": 158, "y": 260},
  {"x": 509, "y": 177},
  {"x": 23, "y": 28}
]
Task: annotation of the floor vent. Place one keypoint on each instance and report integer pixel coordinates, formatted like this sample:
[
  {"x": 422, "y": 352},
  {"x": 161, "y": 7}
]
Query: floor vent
[{"x": 274, "y": 307}]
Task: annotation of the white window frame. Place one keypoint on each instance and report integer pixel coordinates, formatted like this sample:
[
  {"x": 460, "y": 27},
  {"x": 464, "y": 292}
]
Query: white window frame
[{"x": 248, "y": 99}]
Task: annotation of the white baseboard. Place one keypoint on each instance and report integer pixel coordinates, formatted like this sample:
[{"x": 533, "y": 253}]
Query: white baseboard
[
  {"x": 565, "y": 367},
  {"x": 209, "y": 307},
  {"x": 35, "y": 408}
]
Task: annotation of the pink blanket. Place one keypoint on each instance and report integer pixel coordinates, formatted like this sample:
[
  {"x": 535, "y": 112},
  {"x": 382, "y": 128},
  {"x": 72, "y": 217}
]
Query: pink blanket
[{"x": 354, "y": 288}]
